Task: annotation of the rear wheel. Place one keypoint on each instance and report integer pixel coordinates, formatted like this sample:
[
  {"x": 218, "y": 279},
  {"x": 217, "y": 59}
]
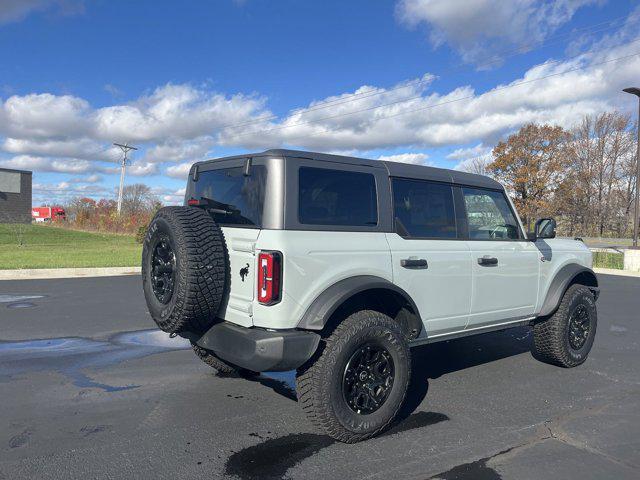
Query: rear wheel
[
  {"x": 565, "y": 338},
  {"x": 354, "y": 389}
]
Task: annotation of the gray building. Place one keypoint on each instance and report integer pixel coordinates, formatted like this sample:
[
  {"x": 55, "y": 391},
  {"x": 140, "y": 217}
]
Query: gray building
[{"x": 15, "y": 196}]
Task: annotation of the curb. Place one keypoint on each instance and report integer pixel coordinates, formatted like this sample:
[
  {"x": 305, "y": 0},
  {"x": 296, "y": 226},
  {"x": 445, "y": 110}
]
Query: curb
[
  {"x": 44, "y": 273},
  {"x": 614, "y": 271}
]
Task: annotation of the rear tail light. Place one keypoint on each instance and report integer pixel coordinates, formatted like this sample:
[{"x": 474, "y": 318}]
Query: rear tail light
[{"x": 269, "y": 277}]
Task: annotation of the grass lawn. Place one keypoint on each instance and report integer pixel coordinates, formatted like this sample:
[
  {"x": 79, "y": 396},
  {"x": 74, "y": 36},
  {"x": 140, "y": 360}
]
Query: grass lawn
[
  {"x": 53, "y": 247},
  {"x": 608, "y": 260}
]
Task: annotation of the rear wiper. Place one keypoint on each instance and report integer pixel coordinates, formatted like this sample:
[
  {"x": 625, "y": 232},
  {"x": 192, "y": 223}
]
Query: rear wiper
[{"x": 216, "y": 206}]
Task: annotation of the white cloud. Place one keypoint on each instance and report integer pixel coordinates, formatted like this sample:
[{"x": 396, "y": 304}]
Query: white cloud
[
  {"x": 413, "y": 158},
  {"x": 80, "y": 148},
  {"x": 571, "y": 89},
  {"x": 177, "y": 151},
  {"x": 94, "y": 178},
  {"x": 179, "y": 124},
  {"x": 174, "y": 112},
  {"x": 142, "y": 169},
  {"x": 478, "y": 28},
  {"x": 179, "y": 171},
  {"x": 469, "y": 152},
  {"x": 42, "y": 164},
  {"x": 45, "y": 115},
  {"x": 175, "y": 197}
]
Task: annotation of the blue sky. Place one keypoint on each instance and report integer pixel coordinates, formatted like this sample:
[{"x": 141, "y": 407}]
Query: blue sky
[{"x": 410, "y": 80}]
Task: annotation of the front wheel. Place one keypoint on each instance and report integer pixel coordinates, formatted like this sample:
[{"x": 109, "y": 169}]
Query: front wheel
[
  {"x": 565, "y": 338},
  {"x": 354, "y": 389}
]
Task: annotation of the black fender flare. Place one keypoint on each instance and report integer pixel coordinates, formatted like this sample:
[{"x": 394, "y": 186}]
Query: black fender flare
[
  {"x": 319, "y": 312},
  {"x": 566, "y": 276}
]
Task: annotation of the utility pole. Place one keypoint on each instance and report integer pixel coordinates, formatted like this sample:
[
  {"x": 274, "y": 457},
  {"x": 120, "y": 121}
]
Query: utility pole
[
  {"x": 636, "y": 212},
  {"x": 123, "y": 165}
]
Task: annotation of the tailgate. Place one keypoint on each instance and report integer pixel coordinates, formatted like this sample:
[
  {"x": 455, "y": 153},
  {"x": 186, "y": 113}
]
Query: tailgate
[{"x": 237, "y": 304}]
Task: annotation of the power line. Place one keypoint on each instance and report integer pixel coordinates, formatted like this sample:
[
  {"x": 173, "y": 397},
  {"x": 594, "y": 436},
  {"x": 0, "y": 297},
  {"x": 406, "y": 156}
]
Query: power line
[
  {"x": 495, "y": 58},
  {"x": 468, "y": 97}
]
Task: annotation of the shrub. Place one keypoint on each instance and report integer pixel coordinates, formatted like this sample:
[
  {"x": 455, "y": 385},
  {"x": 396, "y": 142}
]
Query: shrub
[{"x": 140, "y": 233}]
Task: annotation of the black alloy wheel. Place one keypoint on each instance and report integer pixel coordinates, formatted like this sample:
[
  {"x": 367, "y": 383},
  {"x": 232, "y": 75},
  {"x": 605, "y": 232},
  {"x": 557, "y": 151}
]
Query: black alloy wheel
[
  {"x": 579, "y": 326},
  {"x": 163, "y": 266},
  {"x": 368, "y": 379}
]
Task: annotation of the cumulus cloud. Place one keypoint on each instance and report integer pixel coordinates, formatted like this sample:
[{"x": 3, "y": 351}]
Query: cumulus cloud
[
  {"x": 480, "y": 28},
  {"x": 413, "y": 158},
  {"x": 557, "y": 92},
  {"x": 80, "y": 148},
  {"x": 174, "y": 112},
  {"x": 174, "y": 197},
  {"x": 94, "y": 178},
  {"x": 177, "y": 151},
  {"x": 469, "y": 152},
  {"x": 43, "y": 164},
  {"x": 176, "y": 125},
  {"x": 179, "y": 171}
]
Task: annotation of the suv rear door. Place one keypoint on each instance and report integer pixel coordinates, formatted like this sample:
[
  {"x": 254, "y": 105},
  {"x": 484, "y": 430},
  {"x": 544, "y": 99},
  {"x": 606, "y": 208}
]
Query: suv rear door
[
  {"x": 505, "y": 264},
  {"x": 431, "y": 261},
  {"x": 236, "y": 194}
]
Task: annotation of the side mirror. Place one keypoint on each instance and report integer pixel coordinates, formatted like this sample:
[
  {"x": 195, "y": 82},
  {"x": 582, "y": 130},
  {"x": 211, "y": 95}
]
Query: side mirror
[{"x": 545, "y": 228}]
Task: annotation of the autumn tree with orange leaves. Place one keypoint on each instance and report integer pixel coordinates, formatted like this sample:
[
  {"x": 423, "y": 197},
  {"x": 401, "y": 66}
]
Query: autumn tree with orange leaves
[{"x": 530, "y": 164}]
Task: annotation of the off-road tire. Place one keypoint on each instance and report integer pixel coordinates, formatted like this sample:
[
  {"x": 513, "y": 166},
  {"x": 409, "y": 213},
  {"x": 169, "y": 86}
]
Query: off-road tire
[
  {"x": 551, "y": 335},
  {"x": 319, "y": 382},
  {"x": 222, "y": 367},
  {"x": 201, "y": 268}
]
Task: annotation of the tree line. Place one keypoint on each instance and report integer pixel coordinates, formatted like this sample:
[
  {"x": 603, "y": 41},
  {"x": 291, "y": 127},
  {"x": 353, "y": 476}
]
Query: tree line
[
  {"x": 139, "y": 204},
  {"x": 584, "y": 176}
]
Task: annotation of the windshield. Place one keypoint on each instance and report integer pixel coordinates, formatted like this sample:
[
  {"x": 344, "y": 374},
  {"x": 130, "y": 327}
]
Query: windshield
[{"x": 241, "y": 196}]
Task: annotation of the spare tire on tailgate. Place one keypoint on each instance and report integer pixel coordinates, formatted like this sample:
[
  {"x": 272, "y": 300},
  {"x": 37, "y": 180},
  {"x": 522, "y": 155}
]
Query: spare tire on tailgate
[{"x": 184, "y": 268}]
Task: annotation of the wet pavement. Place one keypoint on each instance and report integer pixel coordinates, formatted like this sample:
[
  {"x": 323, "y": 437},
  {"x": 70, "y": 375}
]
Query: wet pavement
[{"x": 90, "y": 390}]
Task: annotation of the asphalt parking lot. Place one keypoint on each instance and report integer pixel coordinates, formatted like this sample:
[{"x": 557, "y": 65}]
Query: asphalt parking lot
[{"x": 90, "y": 390}]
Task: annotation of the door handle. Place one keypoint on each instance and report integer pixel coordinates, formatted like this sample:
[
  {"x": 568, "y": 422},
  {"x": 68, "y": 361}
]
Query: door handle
[
  {"x": 414, "y": 263},
  {"x": 487, "y": 261}
]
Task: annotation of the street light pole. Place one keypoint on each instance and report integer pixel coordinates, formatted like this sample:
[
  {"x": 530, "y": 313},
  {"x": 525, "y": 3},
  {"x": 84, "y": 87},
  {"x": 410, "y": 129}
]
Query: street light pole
[{"x": 636, "y": 211}]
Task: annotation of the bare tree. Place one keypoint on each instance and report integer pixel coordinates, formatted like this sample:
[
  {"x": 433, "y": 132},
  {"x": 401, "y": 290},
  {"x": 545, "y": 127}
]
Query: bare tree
[
  {"x": 137, "y": 199},
  {"x": 597, "y": 194},
  {"x": 476, "y": 165}
]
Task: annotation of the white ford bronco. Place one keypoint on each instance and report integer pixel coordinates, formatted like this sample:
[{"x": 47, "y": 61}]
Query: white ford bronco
[{"x": 337, "y": 266}]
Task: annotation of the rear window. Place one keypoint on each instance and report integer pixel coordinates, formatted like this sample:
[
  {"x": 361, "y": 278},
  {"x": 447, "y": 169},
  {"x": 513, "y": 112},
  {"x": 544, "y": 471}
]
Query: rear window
[
  {"x": 242, "y": 197},
  {"x": 423, "y": 209},
  {"x": 336, "y": 197}
]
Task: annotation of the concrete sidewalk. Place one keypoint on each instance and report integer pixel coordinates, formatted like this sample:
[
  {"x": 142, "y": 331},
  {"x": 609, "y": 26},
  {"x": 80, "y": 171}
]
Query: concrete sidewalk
[
  {"x": 615, "y": 271},
  {"x": 44, "y": 273}
]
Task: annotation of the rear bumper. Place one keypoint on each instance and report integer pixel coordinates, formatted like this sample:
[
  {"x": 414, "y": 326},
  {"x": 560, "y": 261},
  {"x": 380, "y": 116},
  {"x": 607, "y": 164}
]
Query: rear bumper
[{"x": 258, "y": 349}]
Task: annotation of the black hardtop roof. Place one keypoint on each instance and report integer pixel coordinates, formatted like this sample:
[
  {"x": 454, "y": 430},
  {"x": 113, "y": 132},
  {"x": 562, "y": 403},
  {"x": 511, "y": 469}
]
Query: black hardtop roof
[{"x": 394, "y": 169}]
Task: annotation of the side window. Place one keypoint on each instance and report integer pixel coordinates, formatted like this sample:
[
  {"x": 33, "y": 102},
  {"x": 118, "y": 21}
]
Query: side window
[
  {"x": 336, "y": 197},
  {"x": 423, "y": 209},
  {"x": 489, "y": 215}
]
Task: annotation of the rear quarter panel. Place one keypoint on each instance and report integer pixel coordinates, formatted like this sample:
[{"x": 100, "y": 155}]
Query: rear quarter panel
[{"x": 315, "y": 260}]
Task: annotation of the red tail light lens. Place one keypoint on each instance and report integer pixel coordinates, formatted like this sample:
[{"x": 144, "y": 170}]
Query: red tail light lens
[{"x": 269, "y": 277}]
